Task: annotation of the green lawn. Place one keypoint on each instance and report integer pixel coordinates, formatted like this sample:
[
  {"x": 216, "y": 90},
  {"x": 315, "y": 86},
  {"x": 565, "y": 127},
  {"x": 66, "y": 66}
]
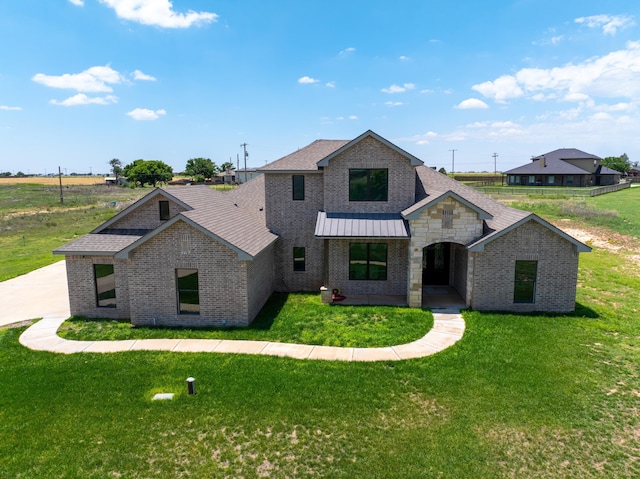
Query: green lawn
[
  {"x": 292, "y": 318},
  {"x": 531, "y": 396}
]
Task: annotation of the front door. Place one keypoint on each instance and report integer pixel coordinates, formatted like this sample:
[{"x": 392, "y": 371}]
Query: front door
[{"x": 435, "y": 264}]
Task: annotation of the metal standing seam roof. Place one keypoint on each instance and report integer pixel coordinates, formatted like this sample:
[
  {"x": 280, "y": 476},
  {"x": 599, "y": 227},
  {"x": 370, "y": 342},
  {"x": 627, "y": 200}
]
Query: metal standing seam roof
[{"x": 361, "y": 225}]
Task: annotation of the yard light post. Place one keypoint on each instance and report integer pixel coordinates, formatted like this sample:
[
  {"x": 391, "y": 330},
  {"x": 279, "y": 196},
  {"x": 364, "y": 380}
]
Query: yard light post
[{"x": 191, "y": 387}]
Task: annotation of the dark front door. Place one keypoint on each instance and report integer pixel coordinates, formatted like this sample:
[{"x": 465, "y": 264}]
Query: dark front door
[{"x": 435, "y": 264}]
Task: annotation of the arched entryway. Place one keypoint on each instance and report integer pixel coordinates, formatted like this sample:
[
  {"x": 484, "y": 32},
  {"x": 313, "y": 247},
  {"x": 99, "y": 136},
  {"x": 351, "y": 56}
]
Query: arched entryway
[{"x": 443, "y": 275}]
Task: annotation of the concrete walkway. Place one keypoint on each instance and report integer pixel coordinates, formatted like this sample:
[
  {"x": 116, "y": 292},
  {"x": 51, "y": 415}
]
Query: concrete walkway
[
  {"x": 448, "y": 328},
  {"x": 43, "y": 294}
]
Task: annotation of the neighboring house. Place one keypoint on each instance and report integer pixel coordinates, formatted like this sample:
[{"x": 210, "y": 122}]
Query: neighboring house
[
  {"x": 238, "y": 176},
  {"x": 362, "y": 216},
  {"x": 564, "y": 167}
]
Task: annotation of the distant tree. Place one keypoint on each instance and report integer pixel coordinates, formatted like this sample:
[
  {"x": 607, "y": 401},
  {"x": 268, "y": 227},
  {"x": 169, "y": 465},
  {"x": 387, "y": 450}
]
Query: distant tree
[
  {"x": 442, "y": 170},
  {"x": 226, "y": 166},
  {"x": 619, "y": 163},
  {"x": 116, "y": 168},
  {"x": 20, "y": 173},
  {"x": 150, "y": 172},
  {"x": 5, "y": 174},
  {"x": 201, "y": 167}
]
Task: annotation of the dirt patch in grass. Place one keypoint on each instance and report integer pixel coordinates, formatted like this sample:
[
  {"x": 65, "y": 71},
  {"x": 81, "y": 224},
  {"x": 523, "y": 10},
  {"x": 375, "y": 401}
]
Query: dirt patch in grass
[
  {"x": 19, "y": 324},
  {"x": 603, "y": 238}
]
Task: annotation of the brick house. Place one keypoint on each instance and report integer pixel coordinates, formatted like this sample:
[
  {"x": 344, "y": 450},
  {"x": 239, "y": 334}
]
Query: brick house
[
  {"x": 363, "y": 216},
  {"x": 563, "y": 167}
]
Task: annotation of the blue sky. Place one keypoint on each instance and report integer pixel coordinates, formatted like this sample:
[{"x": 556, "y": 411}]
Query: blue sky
[{"x": 85, "y": 81}]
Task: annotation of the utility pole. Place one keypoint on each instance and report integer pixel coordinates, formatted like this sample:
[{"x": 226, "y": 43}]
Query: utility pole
[
  {"x": 244, "y": 147},
  {"x": 453, "y": 159},
  {"x": 60, "y": 178},
  {"x": 495, "y": 169}
]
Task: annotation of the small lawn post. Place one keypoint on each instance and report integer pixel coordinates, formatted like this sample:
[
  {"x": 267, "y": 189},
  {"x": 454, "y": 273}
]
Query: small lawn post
[{"x": 191, "y": 387}]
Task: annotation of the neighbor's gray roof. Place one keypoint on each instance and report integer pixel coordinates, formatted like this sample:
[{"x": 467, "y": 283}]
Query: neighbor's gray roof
[
  {"x": 97, "y": 244},
  {"x": 567, "y": 154},
  {"x": 360, "y": 225},
  {"x": 305, "y": 159},
  {"x": 553, "y": 166}
]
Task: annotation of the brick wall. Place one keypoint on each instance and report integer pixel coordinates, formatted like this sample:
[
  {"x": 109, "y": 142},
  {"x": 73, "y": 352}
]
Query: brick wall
[
  {"x": 369, "y": 153},
  {"x": 259, "y": 281},
  {"x": 295, "y": 222},
  {"x": 493, "y": 281},
  {"x": 222, "y": 280},
  {"x": 396, "y": 283},
  {"x": 146, "y": 215},
  {"x": 82, "y": 290}
]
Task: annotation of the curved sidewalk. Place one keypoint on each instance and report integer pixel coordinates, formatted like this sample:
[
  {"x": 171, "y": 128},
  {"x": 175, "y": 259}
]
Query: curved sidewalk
[{"x": 448, "y": 328}]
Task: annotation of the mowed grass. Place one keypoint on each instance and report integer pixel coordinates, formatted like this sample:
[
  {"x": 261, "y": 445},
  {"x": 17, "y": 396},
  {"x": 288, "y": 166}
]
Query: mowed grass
[
  {"x": 293, "y": 318},
  {"x": 535, "y": 396}
]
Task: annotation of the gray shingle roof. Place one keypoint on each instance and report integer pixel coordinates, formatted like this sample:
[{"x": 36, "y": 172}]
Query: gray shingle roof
[
  {"x": 305, "y": 159},
  {"x": 360, "y": 225},
  {"x": 553, "y": 166},
  {"x": 567, "y": 154},
  {"x": 97, "y": 244}
]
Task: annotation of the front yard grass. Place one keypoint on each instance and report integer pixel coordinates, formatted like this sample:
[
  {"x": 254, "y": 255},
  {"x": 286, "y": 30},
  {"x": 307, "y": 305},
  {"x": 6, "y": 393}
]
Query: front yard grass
[{"x": 292, "y": 318}]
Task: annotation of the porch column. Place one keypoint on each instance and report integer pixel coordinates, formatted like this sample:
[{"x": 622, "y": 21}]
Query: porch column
[{"x": 414, "y": 282}]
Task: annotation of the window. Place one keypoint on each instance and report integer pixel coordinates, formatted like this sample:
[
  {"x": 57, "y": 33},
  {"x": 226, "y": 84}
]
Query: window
[
  {"x": 188, "y": 294},
  {"x": 512, "y": 180},
  {"x": 164, "y": 210},
  {"x": 105, "y": 282},
  {"x": 447, "y": 219},
  {"x": 298, "y": 258},
  {"x": 368, "y": 185},
  {"x": 551, "y": 180},
  {"x": 525, "y": 282},
  {"x": 368, "y": 261},
  {"x": 532, "y": 180},
  {"x": 570, "y": 180},
  {"x": 298, "y": 187}
]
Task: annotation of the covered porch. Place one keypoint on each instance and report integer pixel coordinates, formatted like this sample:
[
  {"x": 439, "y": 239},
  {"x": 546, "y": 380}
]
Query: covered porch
[{"x": 433, "y": 297}]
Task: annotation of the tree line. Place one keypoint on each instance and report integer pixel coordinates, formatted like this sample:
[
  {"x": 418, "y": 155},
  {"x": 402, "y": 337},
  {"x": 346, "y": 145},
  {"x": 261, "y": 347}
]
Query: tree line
[{"x": 151, "y": 172}]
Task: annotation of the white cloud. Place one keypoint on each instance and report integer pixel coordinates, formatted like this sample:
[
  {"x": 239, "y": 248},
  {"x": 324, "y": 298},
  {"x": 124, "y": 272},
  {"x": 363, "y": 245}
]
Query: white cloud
[
  {"x": 614, "y": 75},
  {"x": 393, "y": 103},
  {"x": 398, "y": 88},
  {"x": 346, "y": 51},
  {"x": 502, "y": 89},
  {"x": 10, "y": 108},
  {"x": 330, "y": 84},
  {"x": 82, "y": 99},
  {"x": 78, "y": 3},
  {"x": 305, "y": 80},
  {"x": 158, "y": 13},
  {"x": 146, "y": 114},
  {"x": 404, "y": 58},
  {"x": 94, "y": 79},
  {"x": 138, "y": 75},
  {"x": 471, "y": 103},
  {"x": 421, "y": 139},
  {"x": 609, "y": 23},
  {"x": 353, "y": 117},
  {"x": 426, "y": 91}
]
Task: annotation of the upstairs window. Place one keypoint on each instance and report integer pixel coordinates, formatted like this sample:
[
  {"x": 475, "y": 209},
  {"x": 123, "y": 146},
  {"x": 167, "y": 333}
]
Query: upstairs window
[
  {"x": 188, "y": 292},
  {"x": 298, "y": 187},
  {"x": 298, "y": 258},
  {"x": 524, "y": 290},
  {"x": 105, "y": 283},
  {"x": 164, "y": 210},
  {"x": 368, "y": 261},
  {"x": 368, "y": 184}
]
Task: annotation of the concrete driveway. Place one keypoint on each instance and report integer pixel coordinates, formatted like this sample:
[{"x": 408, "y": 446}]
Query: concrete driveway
[{"x": 42, "y": 292}]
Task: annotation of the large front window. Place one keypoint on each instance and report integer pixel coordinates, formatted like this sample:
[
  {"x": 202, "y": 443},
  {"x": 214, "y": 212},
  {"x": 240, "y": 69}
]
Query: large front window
[
  {"x": 524, "y": 290},
  {"x": 188, "y": 293},
  {"x": 368, "y": 184},
  {"x": 105, "y": 282},
  {"x": 298, "y": 187},
  {"x": 368, "y": 261}
]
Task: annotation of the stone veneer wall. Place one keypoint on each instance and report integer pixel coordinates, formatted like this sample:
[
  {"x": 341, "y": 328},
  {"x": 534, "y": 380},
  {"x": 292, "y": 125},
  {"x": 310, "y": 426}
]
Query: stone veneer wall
[
  {"x": 294, "y": 222},
  {"x": 82, "y": 290},
  {"x": 396, "y": 283},
  {"x": 222, "y": 280},
  {"x": 493, "y": 281},
  {"x": 147, "y": 215},
  {"x": 427, "y": 229},
  {"x": 369, "y": 153}
]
